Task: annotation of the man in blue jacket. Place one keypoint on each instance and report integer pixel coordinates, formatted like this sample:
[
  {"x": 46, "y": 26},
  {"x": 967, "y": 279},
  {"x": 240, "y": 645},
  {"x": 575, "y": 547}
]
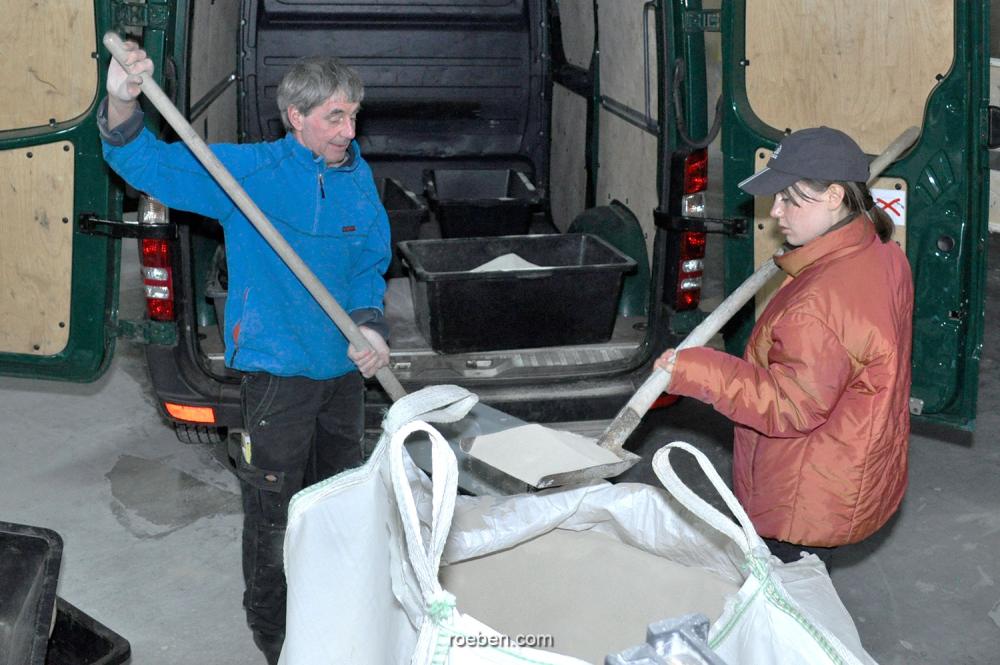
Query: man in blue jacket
[{"x": 302, "y": 391}]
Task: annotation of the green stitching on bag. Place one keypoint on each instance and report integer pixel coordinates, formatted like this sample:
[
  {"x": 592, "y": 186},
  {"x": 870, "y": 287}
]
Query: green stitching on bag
[
  {"x": 760, "y": 569},
  {"x": 774, "y": 595},
  {"x": 724, "y": 632},
  {"x": 440, "y": 609}
]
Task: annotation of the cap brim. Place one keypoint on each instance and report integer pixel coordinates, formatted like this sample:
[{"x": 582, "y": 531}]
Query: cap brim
[{"x": 768, "y": 182}]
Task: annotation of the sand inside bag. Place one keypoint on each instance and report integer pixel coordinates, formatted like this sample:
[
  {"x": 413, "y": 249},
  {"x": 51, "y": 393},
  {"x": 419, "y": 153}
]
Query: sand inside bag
[{"x": 593, "y": 594}]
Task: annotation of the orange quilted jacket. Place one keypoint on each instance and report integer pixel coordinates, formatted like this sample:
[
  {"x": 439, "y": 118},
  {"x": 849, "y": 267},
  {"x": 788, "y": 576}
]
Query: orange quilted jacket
[{"x": 821, "y": 397}]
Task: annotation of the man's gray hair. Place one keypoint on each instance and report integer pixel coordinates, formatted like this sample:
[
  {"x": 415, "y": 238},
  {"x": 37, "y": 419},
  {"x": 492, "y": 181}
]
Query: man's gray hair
[{"x": 312, "y": 81}]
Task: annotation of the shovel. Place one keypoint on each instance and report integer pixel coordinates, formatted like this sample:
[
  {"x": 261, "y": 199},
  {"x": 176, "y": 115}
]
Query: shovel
[
  {"x": 482, "y": 479},
  {"x": 630, "y": 416}
]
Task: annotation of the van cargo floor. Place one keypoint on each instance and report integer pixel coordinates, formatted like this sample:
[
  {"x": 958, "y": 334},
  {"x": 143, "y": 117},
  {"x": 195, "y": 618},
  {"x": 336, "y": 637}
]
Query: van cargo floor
[{"x": 412, "y": 353}]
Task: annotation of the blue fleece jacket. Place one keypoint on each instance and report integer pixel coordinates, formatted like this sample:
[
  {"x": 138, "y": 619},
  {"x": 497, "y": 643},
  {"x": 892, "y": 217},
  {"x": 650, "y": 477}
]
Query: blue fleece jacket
[{"x": 331, "y": 216}]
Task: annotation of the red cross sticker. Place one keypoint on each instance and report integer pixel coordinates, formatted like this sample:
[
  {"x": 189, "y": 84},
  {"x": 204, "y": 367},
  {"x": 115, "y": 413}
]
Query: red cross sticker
[{"x": 890, "y": 206}]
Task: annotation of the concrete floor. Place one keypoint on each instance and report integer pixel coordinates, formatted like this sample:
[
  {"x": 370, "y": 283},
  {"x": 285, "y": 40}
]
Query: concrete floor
[{"x": 151, "y": 527}]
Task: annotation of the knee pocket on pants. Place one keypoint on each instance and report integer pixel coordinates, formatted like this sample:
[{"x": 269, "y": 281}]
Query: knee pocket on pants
[
  {"x": 264, "y": 500},
  {"x": 261, "y": 479}
]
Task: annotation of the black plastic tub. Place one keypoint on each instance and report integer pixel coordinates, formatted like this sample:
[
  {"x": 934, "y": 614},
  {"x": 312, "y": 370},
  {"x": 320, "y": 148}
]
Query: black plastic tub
[
  {"x": 470, "y": 203},
  {"x": 78, "y": 639},
  {"x": 406, "y": 213},
  {"x": 572, "y": 298},
  {"x": 29, "y": 572}
]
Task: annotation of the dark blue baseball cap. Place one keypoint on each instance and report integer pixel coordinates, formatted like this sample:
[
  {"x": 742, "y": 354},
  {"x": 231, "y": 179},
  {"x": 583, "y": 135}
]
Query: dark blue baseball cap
[{"x": 817, "y": 153}]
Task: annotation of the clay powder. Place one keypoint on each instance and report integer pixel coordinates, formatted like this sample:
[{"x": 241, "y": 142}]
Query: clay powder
[
  {"x": 593, "y": 594},
  {"x": 531, "y": 452},
  {"x": 506, "y": 262}
]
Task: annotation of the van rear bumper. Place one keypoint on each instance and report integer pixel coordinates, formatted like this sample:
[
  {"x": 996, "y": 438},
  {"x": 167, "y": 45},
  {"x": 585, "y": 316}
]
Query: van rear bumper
[{"x": 177, "y": 378}]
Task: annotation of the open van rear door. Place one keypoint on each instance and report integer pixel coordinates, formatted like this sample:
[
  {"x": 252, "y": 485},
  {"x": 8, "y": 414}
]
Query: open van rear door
[
  {"x": 58, "y": 286},
  {"x": 59, "y": 249},
  {"x": 883, "y": 66}
]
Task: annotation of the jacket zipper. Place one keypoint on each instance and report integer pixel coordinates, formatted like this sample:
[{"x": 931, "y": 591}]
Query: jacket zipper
[{"x": 322, "y": 190}]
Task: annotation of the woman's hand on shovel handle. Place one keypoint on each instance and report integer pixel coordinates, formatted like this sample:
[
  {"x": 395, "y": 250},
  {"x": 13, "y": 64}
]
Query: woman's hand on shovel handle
[
  {"x": 666, "y": 362},
  {"x": 124, "y": 81}
]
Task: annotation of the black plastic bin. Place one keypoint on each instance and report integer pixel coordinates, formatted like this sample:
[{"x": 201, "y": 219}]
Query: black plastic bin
[
  {"x": 470, "y": 203},
  {"x": 406, "y": 213},
  {"x": 571, "y": 299},
  {"x": 29, "y": 572},
  {"x": 78, "y": 639}
]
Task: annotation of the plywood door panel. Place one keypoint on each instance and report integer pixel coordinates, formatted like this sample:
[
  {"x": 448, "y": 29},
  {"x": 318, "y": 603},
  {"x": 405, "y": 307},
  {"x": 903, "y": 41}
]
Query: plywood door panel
[
  {"x": 57, "y": 82},
  {"x": 864, "y": 67},
  {"x": 36, "y": 248},
  {"x": 766, "y": 238}
]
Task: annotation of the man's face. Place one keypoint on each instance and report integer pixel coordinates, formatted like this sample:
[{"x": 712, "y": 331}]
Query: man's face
[
  {"x": 327, "y": 129},
  {"x": 802, "y": 220}
]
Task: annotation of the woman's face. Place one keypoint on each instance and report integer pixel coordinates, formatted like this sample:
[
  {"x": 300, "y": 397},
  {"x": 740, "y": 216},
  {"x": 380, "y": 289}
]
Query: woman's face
[{"x": 802, "y": 220}]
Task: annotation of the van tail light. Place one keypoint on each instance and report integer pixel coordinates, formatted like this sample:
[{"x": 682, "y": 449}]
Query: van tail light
[
  {"x": 157, "y": 278},
  {"x": 691, "y": 257},
  {"x": 154, "y": 258},
  {"x": 696, "y": 172},
  {"x": 690, "y": 269}
]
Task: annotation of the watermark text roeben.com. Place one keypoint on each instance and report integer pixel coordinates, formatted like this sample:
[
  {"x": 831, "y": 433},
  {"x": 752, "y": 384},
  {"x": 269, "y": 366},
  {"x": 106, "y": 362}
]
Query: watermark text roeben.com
[{"x": 502, "y": 641}]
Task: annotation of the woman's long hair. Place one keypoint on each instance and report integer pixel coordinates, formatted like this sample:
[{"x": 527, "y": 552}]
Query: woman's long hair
[{"x": 857, "y": 199}]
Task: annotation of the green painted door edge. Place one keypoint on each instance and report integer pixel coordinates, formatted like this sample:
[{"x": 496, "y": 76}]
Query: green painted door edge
[{"x": 616, "y": 224}]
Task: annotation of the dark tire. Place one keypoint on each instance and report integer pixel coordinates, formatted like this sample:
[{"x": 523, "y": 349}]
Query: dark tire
[
  {"x": 198, "y": 433},
  {"x": 226, "y": 452}
]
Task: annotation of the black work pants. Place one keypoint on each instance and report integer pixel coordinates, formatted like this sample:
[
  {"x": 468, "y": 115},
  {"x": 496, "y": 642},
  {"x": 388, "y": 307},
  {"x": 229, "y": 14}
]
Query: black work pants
[
  {"x": 300, "y": 431},
  {"x": 790, "y": 552}
]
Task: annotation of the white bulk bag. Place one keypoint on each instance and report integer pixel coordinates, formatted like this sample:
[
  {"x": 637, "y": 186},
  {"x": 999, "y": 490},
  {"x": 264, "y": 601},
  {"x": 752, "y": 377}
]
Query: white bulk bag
[
  {"x": 362, "y": 567},
  {"x": 783, "y": 613},
  {"x": 362, "y": 551}
]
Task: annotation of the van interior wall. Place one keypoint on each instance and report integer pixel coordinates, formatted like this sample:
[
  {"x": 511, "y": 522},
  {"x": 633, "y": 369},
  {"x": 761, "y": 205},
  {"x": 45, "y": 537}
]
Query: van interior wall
[
  {"x": 568, "y": 168},
  {"x": 627, "y": 154},
  {"x": 214, "y": 44},
  {"x": 448, "y": 85},
  {"x": 867, "y": 70}
]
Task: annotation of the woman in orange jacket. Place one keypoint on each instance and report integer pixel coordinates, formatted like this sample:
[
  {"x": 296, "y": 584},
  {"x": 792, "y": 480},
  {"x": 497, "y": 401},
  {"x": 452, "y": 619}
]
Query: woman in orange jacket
[{"x": 820, "y": 398}]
